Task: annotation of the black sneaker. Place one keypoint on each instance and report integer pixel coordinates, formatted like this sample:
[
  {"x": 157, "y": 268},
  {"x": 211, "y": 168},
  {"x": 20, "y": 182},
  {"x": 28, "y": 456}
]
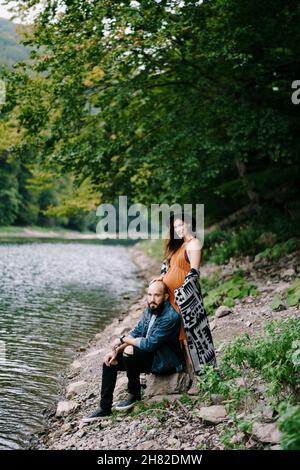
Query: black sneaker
[
  {"x": 99, "y": 413},
  {"x": 126, "y": 404}
]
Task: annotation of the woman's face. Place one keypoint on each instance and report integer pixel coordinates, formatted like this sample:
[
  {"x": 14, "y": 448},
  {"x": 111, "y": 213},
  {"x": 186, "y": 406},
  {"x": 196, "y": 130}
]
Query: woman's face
[{"x": 181, "y": 228}]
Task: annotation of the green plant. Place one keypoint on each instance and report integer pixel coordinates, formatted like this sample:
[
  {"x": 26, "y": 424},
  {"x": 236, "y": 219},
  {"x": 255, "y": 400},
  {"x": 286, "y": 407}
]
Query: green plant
[
  {"x": 226, "y": 292},
  {"x": 289, "y": 425}
]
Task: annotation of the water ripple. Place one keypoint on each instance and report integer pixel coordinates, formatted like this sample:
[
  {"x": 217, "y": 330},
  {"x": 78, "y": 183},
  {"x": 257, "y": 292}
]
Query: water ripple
[{"x": 53, "y": 298}]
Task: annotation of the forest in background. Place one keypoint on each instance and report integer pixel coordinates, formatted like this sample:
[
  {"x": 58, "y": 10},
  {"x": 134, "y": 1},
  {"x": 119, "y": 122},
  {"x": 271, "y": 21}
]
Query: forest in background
[{"x": 162, "y": 101}]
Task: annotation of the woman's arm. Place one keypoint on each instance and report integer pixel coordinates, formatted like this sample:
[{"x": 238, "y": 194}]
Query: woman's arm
[{"x": 194, "y": 253}]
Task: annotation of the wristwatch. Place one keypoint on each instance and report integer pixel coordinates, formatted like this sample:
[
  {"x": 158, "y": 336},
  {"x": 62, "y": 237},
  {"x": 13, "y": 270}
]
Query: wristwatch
[{"x": 122, "y": 339}]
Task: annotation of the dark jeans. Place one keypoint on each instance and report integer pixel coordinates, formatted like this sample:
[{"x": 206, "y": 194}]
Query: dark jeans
[{"x": 139, "y": 361}]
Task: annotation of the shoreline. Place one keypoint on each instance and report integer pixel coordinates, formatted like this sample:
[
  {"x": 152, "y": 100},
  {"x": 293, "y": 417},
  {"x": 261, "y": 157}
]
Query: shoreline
[
  {"x": 78, "y": 389},
  {"x": 153, "y": 424}
]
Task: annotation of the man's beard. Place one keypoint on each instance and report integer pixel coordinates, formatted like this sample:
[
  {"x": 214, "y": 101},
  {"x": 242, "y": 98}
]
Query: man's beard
[{"x": 156, "y": 308}]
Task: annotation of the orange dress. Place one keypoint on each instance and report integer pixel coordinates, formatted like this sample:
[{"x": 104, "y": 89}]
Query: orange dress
[{"x": 174, "y": 278}]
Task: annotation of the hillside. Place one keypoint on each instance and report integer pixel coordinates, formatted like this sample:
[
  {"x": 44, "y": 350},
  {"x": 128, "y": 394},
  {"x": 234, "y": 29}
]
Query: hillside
[{"x": 11, "y": 51}]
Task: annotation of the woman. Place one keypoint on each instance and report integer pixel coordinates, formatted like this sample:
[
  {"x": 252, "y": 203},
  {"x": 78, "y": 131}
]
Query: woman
[{"x": 180, "y": 272}]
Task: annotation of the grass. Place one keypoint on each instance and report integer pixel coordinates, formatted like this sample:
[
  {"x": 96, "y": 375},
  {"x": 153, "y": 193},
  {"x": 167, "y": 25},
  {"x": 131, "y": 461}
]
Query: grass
[
  {"x": 272, "y": 359},
  {"x": 218, "y": 292}
]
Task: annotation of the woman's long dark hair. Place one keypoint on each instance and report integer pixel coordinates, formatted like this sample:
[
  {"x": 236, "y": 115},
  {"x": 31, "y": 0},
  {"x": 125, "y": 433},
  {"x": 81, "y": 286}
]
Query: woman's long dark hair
[{"x": 172, "y": 244}]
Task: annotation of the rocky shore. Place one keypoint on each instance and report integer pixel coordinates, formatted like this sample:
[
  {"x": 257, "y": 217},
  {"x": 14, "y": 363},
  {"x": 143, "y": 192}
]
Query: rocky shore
[{"x": 168, "y": 418}]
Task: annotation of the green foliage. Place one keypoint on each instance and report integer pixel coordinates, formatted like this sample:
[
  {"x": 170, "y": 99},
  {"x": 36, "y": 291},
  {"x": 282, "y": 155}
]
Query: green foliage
[
  {"x": 175, "y": 98},
  {"x": 255, "y": 236},
  {"x": 226, "y": 292},
  {"x": 274, "y": 355},
  {"x": 292, "y": 294},
  {"x": 280, "y": 249},
  {"x": 289, "y": 425}
]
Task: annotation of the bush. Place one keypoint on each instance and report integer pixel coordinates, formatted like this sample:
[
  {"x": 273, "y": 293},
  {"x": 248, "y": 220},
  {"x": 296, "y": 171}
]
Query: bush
[{"x": 289, "y": 425}]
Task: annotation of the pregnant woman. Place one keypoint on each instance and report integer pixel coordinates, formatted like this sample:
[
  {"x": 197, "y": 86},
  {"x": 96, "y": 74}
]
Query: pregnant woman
[{"x": 180, "y": 272}]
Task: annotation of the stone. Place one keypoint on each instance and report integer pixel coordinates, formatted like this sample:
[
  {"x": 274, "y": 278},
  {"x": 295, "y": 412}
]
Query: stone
[
  {"x": 240, "y": 382},
  {"x": 121, "y": 330},
  {"x": 212, "y": 325},
  {"x": 94, "y": 353},
  {"x": 167, "y": 384},
  {"x": 288, "y": 274},
  {"x": 121, "y": 391},
  {"x": 237, "y": 438},
  {"x": 217, "y": 399},
  {"x": 67, "y": 427},
  {"x": 159, "y": 398},
  {"x": 267, "y": 433},
  {"x": 212, "y": 414},
  {"x": 66, "y": 407},
  {"x": 74, "y": 388},
  {"x": 222, "y": 311},
  {"x": 76, "y": 365}
]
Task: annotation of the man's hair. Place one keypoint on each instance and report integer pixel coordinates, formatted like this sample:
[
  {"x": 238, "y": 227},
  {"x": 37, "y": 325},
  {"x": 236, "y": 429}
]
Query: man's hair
[{"x": 166, "y": 290}]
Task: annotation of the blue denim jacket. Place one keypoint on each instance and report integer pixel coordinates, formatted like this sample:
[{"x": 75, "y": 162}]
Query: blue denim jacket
[{"x": 162, "y": 339}]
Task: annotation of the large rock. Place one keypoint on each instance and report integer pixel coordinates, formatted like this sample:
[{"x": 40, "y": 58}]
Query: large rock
[
  {"x": 212, "y": 414},
  {"x": 222, "y": 311},
  {"x": 96, "y": 352},
  {"x": 66, "y": 407},
  {"x": 121, "y": 391},
  {"x": 74, "y": 388},
  {"x": 167, "y": 384},
  {"x": 268, "y": 433}
]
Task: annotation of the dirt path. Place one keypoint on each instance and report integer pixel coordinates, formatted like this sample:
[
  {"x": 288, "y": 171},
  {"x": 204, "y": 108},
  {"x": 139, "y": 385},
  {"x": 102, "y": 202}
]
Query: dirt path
[{"x": 151, "y": 429}]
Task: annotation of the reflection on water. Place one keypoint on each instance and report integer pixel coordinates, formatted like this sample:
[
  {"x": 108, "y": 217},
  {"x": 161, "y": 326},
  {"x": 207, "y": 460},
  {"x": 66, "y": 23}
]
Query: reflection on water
[{"x": 53, "y": 298}]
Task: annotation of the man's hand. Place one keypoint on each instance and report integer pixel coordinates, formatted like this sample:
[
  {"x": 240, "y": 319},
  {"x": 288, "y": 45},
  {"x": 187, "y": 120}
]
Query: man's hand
[
  {"x": 110, "y": 358},
  {"x": 116, "y": 343}
]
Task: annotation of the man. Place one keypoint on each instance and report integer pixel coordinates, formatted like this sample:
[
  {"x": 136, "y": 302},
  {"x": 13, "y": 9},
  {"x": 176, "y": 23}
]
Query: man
[{"x": 152, "y": 346}]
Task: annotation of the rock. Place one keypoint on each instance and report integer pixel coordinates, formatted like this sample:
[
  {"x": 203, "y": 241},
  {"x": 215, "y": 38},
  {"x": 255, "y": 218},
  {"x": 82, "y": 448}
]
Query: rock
[
  {"x": 98, "y": 335},
  {"x": 222, "y": 311},
  {"x": 212, "y": 414},
  {"x": 212, "y": 325},
  {"x": 66, "y": 407},
  {"x": 237, "y": 438},
  {"x": 76, "y": 364},
  {"x": 239, "y": 382},
  {"x": 172, "y": 442},
  {"x": 217, "y": 399},
  {"x": 121, "y": 330},
  {"x": 167, "y": 384},
  {"x": 288, "y": 274},
  {"x": 67, "y": 427},
  {"x": 159, "y": 398},
  {"x": 121, "y": 391},
  {"x": 276, "y": 447},
  {"x": 94, "y": 353},
  {"x": 74, "y": 388},
  {"x": 147, "y": 445},
  {"x": 267, "y": 433}
]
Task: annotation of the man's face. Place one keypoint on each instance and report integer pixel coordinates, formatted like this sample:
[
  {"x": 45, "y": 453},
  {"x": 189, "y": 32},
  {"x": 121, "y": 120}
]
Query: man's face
[{"x": 156, "y": 295}]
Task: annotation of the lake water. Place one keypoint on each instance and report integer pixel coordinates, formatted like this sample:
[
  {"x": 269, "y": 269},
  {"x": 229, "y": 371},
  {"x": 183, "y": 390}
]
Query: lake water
[{"x": 53, "y": 298}]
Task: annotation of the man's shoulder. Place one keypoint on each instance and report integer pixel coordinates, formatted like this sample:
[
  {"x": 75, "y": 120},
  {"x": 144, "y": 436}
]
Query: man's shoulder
[{"x": 169, "y": 311}]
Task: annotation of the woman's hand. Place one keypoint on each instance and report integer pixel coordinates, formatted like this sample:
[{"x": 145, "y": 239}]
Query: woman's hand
[{"x": 155, "y": 279}]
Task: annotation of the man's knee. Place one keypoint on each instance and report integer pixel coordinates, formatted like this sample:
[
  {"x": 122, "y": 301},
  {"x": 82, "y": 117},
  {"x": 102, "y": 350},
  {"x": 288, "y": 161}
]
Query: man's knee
[{"x": 128, "y": 351}]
